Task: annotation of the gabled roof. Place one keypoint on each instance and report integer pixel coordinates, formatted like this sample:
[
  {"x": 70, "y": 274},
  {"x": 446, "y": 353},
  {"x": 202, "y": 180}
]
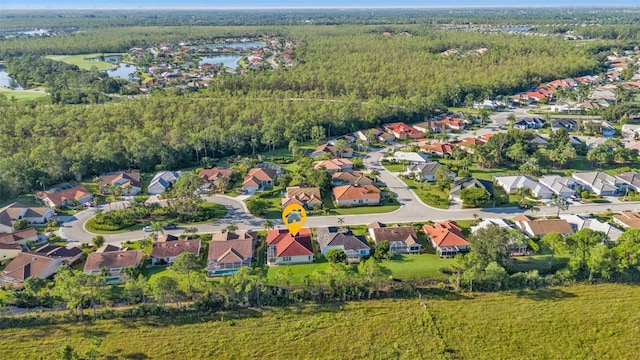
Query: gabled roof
[
  {"x": 350, "y": 177},
  {"x": 302, "y": 195},
  {"x": 426, "y": 169},
  {"x": 55, "y": 251},
  {"x": 231, "y": 251},
  {"x": 471, "y": 142},
  {"x": 406, "y": 234},
  {"x": 452, "y": 122},
  {"x": 14, "y": 237},
  {"x": 214, "y": 174},
  {"x": 59, "y": 197},
  {"x": 113, "y": 260},
  {"x": 630, "y": 177},
  {"x": 541, "y": 227},
  {"x": 597, "y": 180},
  {"x": 460, "y": 184},
  {"x": 356, "y": 192},
  {"x": 333, "y": 164},
  {"x": 628, "y": 218},
  {"x": 175, "y": 248},
  {"x": 235, "y": 235},
  {"x": 401, "y": 128},
  {"x": 26, "y": 265},
  {"x": 333, "y": 236},
  {"x": 121, "y": 178},
  {"x": 329, "y": 149},
  {"x": 438, "y": 148},
  {"x": 446, "y": 234},
  {"x": 256, "y": 176}
]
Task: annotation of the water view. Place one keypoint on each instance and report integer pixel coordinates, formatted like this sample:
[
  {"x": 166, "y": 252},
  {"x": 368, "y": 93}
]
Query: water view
[
  {"x": 123, "y": 71},
  {"x": 230, "y": 61},
  {"x": 7, "y": 81}
]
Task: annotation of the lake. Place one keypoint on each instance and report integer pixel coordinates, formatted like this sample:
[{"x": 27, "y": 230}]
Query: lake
[
  {"x": 123, "y": 71},
  {"x": 230, "y": 61},
  {"x": 6, "y": 81}
]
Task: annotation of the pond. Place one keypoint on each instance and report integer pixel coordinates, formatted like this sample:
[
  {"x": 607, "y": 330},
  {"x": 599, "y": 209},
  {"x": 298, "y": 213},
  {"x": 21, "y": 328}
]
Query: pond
[
  {"x": 123, "y": 71},
  {"x": 7, "y": 81},
  {"x": 242, "y": 45},
  {"x": 230, "y": 61}
]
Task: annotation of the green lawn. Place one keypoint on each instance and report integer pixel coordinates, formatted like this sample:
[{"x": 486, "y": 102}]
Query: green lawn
[
  {"x": 414, "y": 266},
  {"x": 538, "y": 262},
  {"x": 547, "y": 323},
  {"x": 83, "y": 64},
  {"x": 429, "y": 193},
  {"x": 23, "y": 95},
  {"x": 154, "y": 273},
  {"x": 394, "y": 167}
]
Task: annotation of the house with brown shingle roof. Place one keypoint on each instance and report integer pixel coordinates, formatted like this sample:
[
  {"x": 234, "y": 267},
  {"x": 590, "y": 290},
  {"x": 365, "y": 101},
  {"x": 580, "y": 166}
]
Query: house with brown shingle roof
[
  {"x": 628, "y": 219},
  {"x": 129, "y": 182},
  {"x": 42, "y": 263},
  {"x": 16, "y": 211},
  {"x": 541, "y": 227},
  {"x": 65, "y": 197},
  {"x": 308, "y": 197},
  {"x": 334, "y": 165},
  {"x": 447, "y": 238},
  {"x": 21, "y": 237},
  {"x": 402, "y": 239},
  {"x": 284, "y": 248},
  {"x": 353, "y": 246},
  {"x": 350, "y": 178},
  {"x": 258, "y": 179},
  {"x": 328, "y": 149},
  {"x": 228, "y": 255},
  {"x": 166, "y": 252},
  {"x": 235, "y": 235},
  {"x": 355, "y": 195},
  {"x": 115, "y": 262},
  {"x": 213, "y": 175}
]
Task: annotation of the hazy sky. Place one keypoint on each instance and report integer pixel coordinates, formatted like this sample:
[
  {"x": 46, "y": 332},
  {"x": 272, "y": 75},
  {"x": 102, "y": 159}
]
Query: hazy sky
[{"x": 150, "y": 4}]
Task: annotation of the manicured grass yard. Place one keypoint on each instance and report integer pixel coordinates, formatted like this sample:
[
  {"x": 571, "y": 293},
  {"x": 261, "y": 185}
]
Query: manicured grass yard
[
  {"x": 83, "y": 64},
  {"x": 394, "y": 167},
  {"x": 413, "y": 266},
  {"x": 429, "y": 193},
  {"x": 573, "y": 322},
  {"x": 23, "y": 95}
]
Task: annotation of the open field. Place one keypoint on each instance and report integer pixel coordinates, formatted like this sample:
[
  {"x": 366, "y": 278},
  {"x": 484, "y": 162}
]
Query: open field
[
  {"x": 547, "y": 323},
  {"x": 83, "y": 64},
  {"x": 23, "y": 95}
]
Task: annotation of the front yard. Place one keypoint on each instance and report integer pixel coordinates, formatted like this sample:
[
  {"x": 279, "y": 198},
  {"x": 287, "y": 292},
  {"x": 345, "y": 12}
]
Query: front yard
[{"x": 429, "y": 193}]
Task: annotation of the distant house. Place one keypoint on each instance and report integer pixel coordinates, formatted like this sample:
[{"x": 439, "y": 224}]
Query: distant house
[
  {"x": 607, "y": 130},
  {"x": 162, "y": 181},
  {"x": 430, "y": 127},
  {"x": 212, "y": 176},
  {"x": 453, "y": 123},
  {"x": 470, "y": 144},
  {"x": 354, "y": 195},
  {"x": 539, "y": 142},
  {"x": 423, "y": 172},
  {"x": 628, "y": 219},
  {"x": 631, "y": 130},
  {"x": 284, "y": 248},
  {"x": 228, "y": 255},
  {"x": 579, "y": 222},
  {"x": 377, "y": 134},
  {"x": 403, "y": 131},
  {"x": 437, "y": 148},
  {"x": 541, "y": 227},
  {"x": 308, "y": 197},
  {"x": 114, "y": 262},
  {"x": 350, "y": 178},
  {"x": 166, "y": 252},
  {"x": 560, "y": 185},
  {"x": 410, "y": 157},
  {"x": 459, "y": 184},
  {"x": 334, "y": 165},
  {"x": 501, "y": 223},
  {"x": 530, "y": 123},
  {"x": 447, "y": 238},
  {"x": 402, "y": 239},
  {"x": 62, "y": 198},
  {"x": 42, "y": 263},
  {"x": 328, "y": 149},
  {"x": 22, "y": 237},
  {"x": 511, "y": 184},
  {"x": 600, "y": 183},
  {"x": 129, "y": 182},
  {"x": 16, "y": 211},
  {"x": 258, "y": 179},
  {"x": 567, "y": 124},
  {"x": 334, "y": 238},
  {"x": 631, "y": 179}
]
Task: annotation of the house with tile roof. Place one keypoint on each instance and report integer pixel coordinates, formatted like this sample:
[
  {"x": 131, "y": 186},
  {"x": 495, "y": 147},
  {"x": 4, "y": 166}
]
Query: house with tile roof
[
  {"x": 258, "y": 179},
  {"x": 447, "y": 238},
  {"x": 162, "y": 181},
  {"x": 334, "y": 165},
  {"x": 628, "y": 219},
  {"x": 402, "y": 239},
  {"x": 440, "y": 149},
  {"x": 42, "y": 263},
  {"x": 501, "y": 223},
  {"x": 424, "y": 172},
  {"x": 540, "y": 227},
  {"x": 430, "y": 127},
  {"x": 213, "y": 175},
  {"x": 350, "y": 178},
  {"x": 453, "y": 123},
  {"x": 512, "y": 183},
  {"x": 333, "y": 237},
  {"x": 227, "y": 254},
  {"x": 579, "y": 222},
  {"x": 631, "y": 179},
  {"x": 356, "y": 195},
  {"x": 284, "y": 248},
  {"x": 166, "y": 252},
  {"x": 129, "y": 182},
  {"x": 409, "y": 157},
  {"x": 403, "y": 131},
  {"x": 600, "y": 183},
  {"x": 114, "y": 262},
  {"x": 57, "y": 198},
  {"x": 560, "y": 185},
  {"x": 330, "y": 150},
  {"x": 22, "y": 237},
  {"x": 470, "y": 144},
  {"x": 306, "y": 196}
]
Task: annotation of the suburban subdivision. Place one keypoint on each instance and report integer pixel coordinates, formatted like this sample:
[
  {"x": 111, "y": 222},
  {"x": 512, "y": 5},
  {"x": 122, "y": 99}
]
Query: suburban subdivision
[{"x": 446, "y": 162}]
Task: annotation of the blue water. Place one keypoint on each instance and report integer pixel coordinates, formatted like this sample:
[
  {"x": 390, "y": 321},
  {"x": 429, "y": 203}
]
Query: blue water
[
  {"x": 5, "y": 80},
  {"x": 123, "y": 71},
  {"x": 230, "y": 61}
]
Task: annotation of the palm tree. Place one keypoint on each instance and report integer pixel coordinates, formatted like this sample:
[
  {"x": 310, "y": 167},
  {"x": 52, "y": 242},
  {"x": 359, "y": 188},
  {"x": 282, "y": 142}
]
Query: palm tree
[
  {"x": 268, "y": 224},
  {"x": 511, "y": 119},
  {"x": 561, "y": 203},
  {"x": 231, "y": 228},
  {"x": 156, "y": 227},
  {"x": 340, "y": 222}
]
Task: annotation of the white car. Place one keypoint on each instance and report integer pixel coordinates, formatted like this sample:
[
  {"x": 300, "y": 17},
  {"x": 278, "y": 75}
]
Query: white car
[{"x": 147, "y": 228}]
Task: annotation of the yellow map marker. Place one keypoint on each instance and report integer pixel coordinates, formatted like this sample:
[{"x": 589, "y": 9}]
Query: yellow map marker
[{"x": 294, "y": 217}]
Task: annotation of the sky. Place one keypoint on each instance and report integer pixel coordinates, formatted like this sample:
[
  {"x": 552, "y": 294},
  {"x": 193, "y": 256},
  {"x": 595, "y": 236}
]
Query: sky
[{"x": 151, "y": 4}]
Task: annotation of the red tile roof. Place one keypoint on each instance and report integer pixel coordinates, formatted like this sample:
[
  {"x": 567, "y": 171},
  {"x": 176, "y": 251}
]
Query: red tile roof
[
  {"x": 334, "y": 164},
  {"x": 287, "y": 245},
  {"x": 446, "y": 234},
  {"x": 438, "y": 148},
  {"x": 214, "y": 174},
  {"x": 257, "y": 175},
  {"x": 402, "y": 128},
  {"x": 354, "y": 192},
  {"x": 58, "y": 197}
]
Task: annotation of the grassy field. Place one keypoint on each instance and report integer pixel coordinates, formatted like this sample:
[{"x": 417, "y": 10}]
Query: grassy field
[
  {"x": 23, "y": 95},
  {"x": 83, "y": 64},
  {"x": 547, "y": 323}
]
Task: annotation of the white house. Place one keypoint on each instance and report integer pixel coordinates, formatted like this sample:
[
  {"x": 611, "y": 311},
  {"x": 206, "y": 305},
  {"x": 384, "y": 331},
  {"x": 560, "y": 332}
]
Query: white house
[
  {"x": 579, "y": 222},
  {"x": 511, "y": 184},
  {"x": 560, "y": 185},
  {"x": 501, "y": 223},
  {"x": 600, "y": 183},
  {"x": 410, "y": 157}
]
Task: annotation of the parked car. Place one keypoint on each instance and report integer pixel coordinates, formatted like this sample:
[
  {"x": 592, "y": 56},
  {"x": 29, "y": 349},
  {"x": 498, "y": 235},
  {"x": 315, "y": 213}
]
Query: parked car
[
  {"x": 524, "y": 206},
  {"x": 170, "y": 226},
  {"x": 147, "y": 228}
]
